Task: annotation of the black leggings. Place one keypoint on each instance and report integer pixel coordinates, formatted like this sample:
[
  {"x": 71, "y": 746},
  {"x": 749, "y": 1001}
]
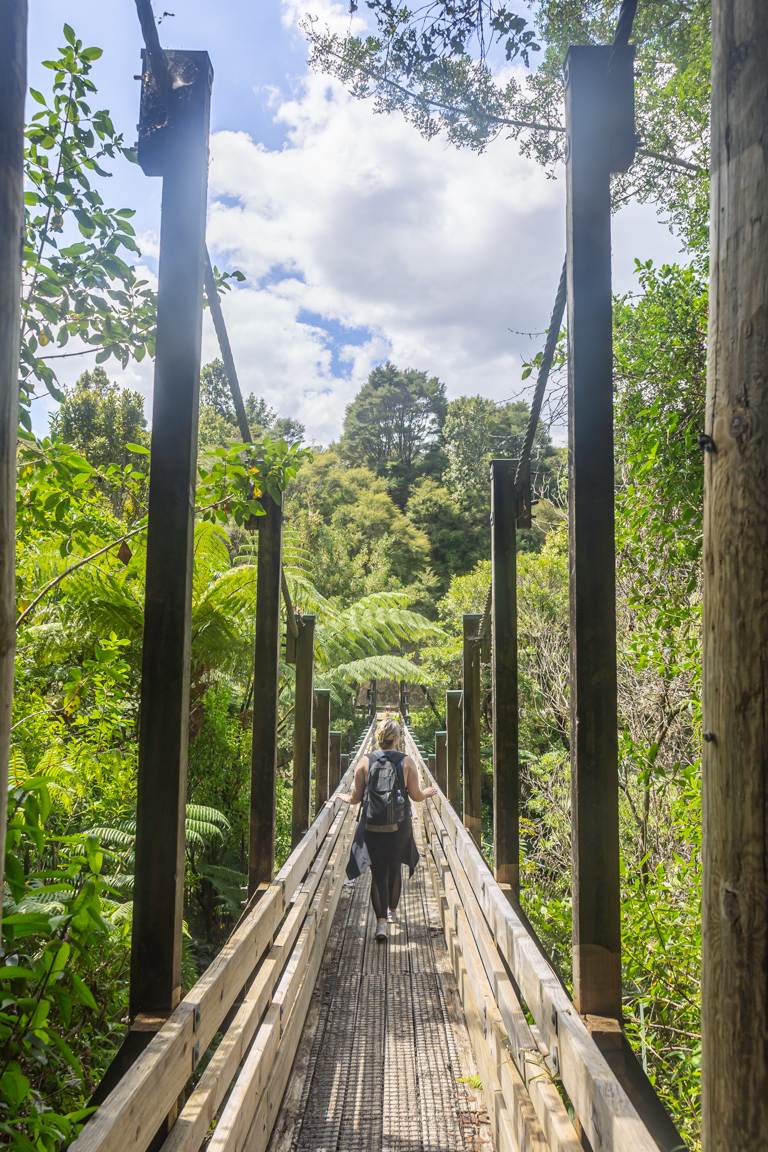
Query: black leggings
[{"x": 386, "y": 852}]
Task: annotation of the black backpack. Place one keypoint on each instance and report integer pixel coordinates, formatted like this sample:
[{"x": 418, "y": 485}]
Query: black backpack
[{"x": 385, "y": 802}]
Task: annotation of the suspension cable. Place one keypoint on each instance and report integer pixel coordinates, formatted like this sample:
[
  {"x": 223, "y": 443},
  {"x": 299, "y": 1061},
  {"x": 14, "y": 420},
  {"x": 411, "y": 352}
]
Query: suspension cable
[
  {"x": 621, "y": 38},
  {"x": 158, "y": 65}
]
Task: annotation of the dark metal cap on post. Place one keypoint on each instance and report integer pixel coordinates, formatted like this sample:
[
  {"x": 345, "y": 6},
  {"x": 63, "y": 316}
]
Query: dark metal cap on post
[
  {"x": 158, "y": 121},
  {"x": 611, "y": 74}
]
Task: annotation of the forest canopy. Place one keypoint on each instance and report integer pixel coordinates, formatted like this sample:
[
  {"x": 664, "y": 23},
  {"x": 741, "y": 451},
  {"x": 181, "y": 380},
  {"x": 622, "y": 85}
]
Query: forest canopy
[{"x": 386, "y": 542}]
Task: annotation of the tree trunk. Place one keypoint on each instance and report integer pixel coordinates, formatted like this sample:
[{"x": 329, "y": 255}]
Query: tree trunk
[{"x": 735, "y": 970}]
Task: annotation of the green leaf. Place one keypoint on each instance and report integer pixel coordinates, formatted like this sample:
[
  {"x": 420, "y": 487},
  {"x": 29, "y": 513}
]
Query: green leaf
[
  {"x": 84, "y": 993},
  {"x": 92, "y": 53},
  {"x": 14, "y": 1085},
  {"x": 15, "y": 972},
  {"x": 69, "y": 34}
]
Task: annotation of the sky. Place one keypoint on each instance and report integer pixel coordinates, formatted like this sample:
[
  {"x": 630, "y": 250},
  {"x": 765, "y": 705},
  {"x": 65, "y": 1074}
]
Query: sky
[{"x": 360, "y": 241}]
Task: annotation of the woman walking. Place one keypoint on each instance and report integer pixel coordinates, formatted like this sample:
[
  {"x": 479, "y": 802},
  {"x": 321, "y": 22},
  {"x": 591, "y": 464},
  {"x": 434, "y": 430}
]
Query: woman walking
[{"x": 385, "y": 783}]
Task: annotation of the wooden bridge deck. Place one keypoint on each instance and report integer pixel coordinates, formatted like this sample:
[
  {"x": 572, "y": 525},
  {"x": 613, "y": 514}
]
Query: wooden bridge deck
[
  {"x": 385, "y": 1060},
  {"x": 304, "y": 1035}
]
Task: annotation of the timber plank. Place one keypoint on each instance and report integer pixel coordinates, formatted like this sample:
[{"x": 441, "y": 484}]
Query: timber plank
[
  {"x": 530, "y": 1063},
  {"x": 491, "y": 1043},
  {"x": 274, "y": 1047},
  {"x": 134, "y": 1111},
  {"x": 200, "y": 1109}
]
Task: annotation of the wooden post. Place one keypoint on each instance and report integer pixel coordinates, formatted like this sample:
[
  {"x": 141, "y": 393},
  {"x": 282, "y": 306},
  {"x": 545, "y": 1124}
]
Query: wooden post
[
  {"x": 454, "y": 740},
  {"x": 594, "y": 97},
  {"x": 441, "y": 761},
  {"x": 373, "y": 700},
  {"x": 302, "y": 728},
  {"x": 266, "y": 684},
  {"x": 13, "y": 86},
  {"x": 431, "y": 764},
  {"x": 334, "y": 762},
  {"x": 506, "y": 769},
  {"x": 473, "y": 806},
  {"x": 180, "y": 154},
  {"x": 322, "y": 745},
  {"x": 343, "y": 764},
  {"x": 735, "y": 687}
]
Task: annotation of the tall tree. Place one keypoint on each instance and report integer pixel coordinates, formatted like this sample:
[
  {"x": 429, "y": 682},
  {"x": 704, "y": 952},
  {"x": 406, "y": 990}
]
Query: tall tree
[
  {"x": 393, "y": 425},
  {"x": 476, "y": 430},
  {"x": 218, "y": 423},
  {"x": 99, "y": 418}
]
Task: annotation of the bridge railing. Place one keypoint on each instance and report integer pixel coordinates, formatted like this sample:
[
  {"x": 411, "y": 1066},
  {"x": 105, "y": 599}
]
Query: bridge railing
[
  {"x": 264, "y": 974},
  {"x": 505, "y": 982}
]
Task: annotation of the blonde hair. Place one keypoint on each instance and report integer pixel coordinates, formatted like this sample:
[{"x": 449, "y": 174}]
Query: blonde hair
[{"x": 388, "y": 733}]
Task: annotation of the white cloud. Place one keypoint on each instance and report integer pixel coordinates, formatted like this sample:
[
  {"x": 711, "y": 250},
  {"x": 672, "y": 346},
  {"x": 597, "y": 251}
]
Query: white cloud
[
  {"x": 361, "y": 241},
  {"x": 433, "y": 252},
  {"x": 333, "y": 14}
]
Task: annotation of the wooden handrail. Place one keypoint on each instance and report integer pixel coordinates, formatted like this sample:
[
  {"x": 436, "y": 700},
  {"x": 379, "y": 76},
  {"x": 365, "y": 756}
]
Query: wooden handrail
[
  {"x": 268, "y": 933},
  {"x": 602, "y": 1106}
]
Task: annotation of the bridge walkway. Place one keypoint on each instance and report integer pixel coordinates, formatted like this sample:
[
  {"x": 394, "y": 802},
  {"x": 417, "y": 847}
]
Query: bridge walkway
[{"x": 385, "y": 1059}]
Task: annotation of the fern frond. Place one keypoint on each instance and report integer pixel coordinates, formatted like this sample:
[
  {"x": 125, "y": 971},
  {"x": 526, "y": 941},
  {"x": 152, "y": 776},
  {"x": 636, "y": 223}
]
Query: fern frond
[
  {"x": 383, "y": 667},
  {"x": 211, "y": 556}
]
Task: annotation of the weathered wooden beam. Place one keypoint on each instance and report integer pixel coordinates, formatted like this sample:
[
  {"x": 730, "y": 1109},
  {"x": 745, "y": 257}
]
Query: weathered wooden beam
[
  {"x": 441, "y": 761},
  {"x": 506, "y": 769},
  {"x": 13, "y": 86},
  {"x": 266, "y": 685},
  {"x": 181, "y": 157},
  {"x": 735, "y": 687},
  {"x": 473, "y": 804},
  {"x": 302, "y": 728},
  {"x": 334, "y": 762},
  {"x": 454, "y": 750},
  {"x": 593, "y": 93},
  {"x": 322, "y": 721},
  {"x": 343, "y": 764}
]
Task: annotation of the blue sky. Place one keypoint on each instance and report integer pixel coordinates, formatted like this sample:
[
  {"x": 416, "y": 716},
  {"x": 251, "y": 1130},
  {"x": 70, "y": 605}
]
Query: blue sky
[{"x": 360, "y": 241}]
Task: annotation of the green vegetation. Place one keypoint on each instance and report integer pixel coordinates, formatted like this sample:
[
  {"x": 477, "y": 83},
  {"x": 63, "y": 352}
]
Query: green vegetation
[{"x": 387, "y": 543}]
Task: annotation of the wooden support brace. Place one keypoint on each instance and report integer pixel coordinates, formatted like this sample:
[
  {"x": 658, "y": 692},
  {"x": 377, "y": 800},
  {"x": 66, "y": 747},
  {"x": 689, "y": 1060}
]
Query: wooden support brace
[
  {"x": 441, "y": 761},
  {"x": 180, "y": 155},
  {"x": 473, "y": 804},
  {"x": 454, "y": 749},
  {"x": 506, "y": 769},
  {"x": 302, "y": 728},
  {"x": 334, "y": 762},
  {"x": 594, "y": 92},
  {"x": 266, "y": 684},
  {"x": 322, "y": 721}
]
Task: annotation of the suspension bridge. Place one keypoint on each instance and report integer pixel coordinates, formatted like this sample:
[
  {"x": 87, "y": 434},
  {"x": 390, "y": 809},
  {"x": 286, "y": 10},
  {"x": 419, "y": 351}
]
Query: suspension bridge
[{"x": 458, "y": 1033}]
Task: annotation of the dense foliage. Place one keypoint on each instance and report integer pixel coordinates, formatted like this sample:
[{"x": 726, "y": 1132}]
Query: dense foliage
[{"x": 387, "y": 543}]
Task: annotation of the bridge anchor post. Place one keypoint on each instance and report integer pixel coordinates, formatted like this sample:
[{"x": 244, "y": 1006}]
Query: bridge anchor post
[
  {"x": 600, "y": 140},
  {"x": 473, "y": 805},
  {"x": 506, "y": 785},
  {"x": 302, "y": 728},
  {"x": 266, "y": 686},
  {"x": 322, "y": 721},
  {"x": 173, "y": 143},
  {"x": 454, "y": 738}
]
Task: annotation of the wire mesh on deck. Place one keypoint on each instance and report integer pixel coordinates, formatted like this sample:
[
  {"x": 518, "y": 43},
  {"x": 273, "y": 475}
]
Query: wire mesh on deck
[{"x": 385, "y": 1062}]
